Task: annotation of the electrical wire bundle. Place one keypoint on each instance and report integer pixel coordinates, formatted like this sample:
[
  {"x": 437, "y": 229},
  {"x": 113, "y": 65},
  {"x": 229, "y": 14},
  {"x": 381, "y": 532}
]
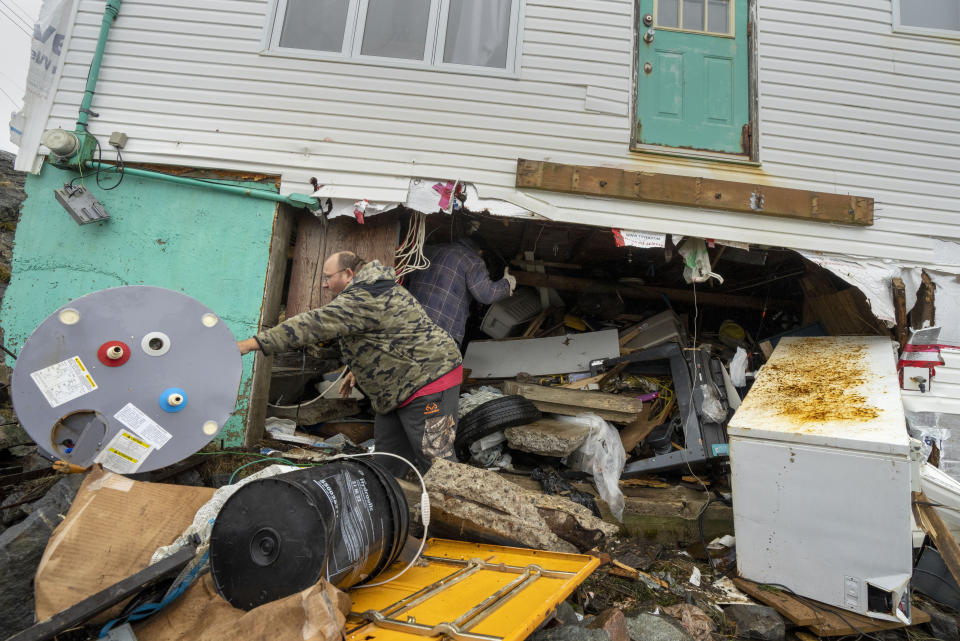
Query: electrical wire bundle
[{"x": 409, "y": 255}]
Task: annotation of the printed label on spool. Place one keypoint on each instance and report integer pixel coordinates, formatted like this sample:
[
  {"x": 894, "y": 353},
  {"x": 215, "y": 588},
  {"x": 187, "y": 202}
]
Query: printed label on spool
[
  {"x": 64, "y": 381},
  {"x": 149, "y": 430},
  {"x": 124, "y": 454}
]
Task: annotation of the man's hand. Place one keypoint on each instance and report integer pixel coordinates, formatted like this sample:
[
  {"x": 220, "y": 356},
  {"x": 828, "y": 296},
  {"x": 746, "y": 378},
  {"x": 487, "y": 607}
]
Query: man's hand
[
  {"x": 347, "y": 385},
  {"x": 511, "y": 280},
  {"x": 248, "y": 345}
]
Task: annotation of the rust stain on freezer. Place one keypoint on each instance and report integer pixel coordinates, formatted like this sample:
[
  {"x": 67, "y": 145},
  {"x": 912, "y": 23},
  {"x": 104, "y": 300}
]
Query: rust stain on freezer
[{"x": 819, "y": 385}]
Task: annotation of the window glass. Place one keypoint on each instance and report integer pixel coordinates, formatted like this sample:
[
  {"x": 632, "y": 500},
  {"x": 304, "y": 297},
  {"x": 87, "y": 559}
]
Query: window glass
[
  {"x": 478, "y": 33},
  {"x": 668, "y": 13},
  {"x": 396, "y": 29},
  {"x": 314, "y": 24},
  {"x": 693, "y": 14},
  {"x": 934, "y": 14},
  {"x": 718, "y": 16}
]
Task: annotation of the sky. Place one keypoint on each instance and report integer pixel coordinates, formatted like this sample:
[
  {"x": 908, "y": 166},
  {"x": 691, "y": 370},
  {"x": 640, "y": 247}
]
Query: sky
[{"x": 16, "y": 30}]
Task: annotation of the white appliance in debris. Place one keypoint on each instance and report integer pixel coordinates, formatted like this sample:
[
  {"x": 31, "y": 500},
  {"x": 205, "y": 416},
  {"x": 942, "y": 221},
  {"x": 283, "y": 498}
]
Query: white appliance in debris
[{"x": 822, "y": 473}]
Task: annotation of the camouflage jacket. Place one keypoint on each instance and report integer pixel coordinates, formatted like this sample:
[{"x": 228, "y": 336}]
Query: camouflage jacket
[{"x": 386, "y": 338}]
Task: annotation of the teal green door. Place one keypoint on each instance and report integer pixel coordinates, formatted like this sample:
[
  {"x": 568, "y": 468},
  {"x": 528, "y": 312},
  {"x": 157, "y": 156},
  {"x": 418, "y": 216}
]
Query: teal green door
[{"x": 692, "y": 78}]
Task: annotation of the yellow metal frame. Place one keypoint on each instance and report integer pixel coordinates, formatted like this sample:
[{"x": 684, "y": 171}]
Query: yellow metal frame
[{"x": 469, "y": 592}]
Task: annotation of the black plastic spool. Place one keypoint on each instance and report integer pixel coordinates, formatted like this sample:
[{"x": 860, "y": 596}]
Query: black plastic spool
[{"x": 277, "y": 536}]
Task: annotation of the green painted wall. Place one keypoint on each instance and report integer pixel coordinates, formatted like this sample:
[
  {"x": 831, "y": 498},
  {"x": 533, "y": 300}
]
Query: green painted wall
[{"x": 204, "y": 243}]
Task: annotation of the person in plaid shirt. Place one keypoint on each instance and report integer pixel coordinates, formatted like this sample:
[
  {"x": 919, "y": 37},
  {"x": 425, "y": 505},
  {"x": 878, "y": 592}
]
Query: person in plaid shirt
[{"x": 456, "y": 274}]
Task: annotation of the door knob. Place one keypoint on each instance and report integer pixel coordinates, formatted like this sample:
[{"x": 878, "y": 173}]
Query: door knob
[{"x": 648, "y": 36}]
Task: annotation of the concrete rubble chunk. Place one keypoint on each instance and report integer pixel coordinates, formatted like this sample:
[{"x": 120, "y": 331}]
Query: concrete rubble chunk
[
  {"x": 468, "y": 502},
  {"x": 570, "y": 633},
  {"x": 756, "y": 622},
  {"x": 652, "y": 627},
  {"x": 613, "y": 621},
  {"x": 548, "y": 437}
]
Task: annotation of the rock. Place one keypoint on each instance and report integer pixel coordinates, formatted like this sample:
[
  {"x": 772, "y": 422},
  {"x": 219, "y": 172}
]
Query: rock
[
  {"x": 21, "y": 547},
  {"x": 566, "y": 615},
  {"x": 13, "y": 435},
  {"x": 693, "y": 619},
  {"x": 29, "y": 458},
  {"x": 756, "y": 622},
  {"x": 58, "y": 497},
  {"x": 942, "y": 626},
  {"x": 613, "y": 621},
  {"x": 547, "y": 437},
  {"x": 11, "y": 188},
  {"x": 190, "y": 477},
  {"x": 569, "y": 633},
  {"x": 467, "y": 502},
  {"x": 650, "y": 627}
]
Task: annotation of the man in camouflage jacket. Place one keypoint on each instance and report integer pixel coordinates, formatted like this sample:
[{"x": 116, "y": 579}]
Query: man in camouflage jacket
[{"x": 408, "y": 367}]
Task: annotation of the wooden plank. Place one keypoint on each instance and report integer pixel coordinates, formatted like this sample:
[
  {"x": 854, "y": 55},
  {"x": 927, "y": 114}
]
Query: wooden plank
[
  {"x": 318, "y": 239},
  {"x": 638, "y": 429},
  {"x": 824, "y": 620},
  {"x": 900, "y": 311},
  {"x": 648, "y": 292},
  {"x": 574, "y": 410},
  {"x": 931, "y": 523},
  {"x": 923, "y": 313},
  {"x": 283, "y": 223},
  {"x": 695, "y": 191},
  {"x": 579, "y": 398}
]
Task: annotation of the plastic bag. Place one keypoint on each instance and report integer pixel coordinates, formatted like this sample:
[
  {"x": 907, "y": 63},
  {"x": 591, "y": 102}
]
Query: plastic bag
[
  {"x": 925, "y": 427},
  {"x": 738, "y": 368},
  {"x": 601, "y": 455},
  {"x": 696, "y": 261}
]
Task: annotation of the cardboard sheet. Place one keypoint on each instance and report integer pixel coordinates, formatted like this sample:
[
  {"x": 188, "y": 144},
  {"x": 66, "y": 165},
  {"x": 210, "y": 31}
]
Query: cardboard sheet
[
  {"x": 110, "y": 532},
  {"x": 315, "y": 614}
]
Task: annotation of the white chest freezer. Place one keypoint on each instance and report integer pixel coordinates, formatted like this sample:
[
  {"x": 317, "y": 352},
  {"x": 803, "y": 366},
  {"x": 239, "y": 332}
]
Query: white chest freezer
[{"x": 821, "y": 474}]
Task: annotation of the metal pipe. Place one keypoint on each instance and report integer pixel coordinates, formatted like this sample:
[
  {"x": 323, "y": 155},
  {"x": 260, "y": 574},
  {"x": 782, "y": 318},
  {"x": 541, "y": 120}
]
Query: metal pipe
[
  {"x": 109, "y": 15},
  {"x": 295, "y": 200}
]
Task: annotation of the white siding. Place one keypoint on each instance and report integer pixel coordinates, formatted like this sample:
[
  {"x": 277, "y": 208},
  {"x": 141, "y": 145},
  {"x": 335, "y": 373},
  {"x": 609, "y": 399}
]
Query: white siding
[{"x": 846, "y": 106}]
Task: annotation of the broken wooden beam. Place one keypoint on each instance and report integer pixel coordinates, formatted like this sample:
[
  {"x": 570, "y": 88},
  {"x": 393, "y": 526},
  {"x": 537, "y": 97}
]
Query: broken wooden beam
[
  {"x": 900, "y": 311},
  {"x": 573, "y": 284},
  {"x": 609, "y": 407},
  {"x": 695, "y": 191}
]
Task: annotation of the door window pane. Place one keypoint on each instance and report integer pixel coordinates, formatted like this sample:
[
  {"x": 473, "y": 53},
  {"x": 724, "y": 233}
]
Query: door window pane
[
  {"x": 314, "y": 24},
  {"x": 935, "y": 14},
  {"x": 693, "y": 14},
  {"x": 478, "y": 33},
  {"x": 668, "y": 13},
  {"x": 718, "y": 16},
  {"x": 396, "y": 29}
]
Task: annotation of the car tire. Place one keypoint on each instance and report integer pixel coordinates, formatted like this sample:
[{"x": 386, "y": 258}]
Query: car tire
[{"x": 492, "y": 416}]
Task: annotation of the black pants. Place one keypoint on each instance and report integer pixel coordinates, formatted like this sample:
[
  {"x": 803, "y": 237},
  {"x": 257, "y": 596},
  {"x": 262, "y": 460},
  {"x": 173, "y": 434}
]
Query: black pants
[{"x": 420, "y": 431}]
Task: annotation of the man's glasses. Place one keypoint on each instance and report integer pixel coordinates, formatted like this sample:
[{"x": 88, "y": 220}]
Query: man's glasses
[{"x": 326, "y": 277}]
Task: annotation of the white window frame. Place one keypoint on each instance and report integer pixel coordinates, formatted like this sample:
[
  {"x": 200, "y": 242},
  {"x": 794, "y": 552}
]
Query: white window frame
[
  {"x": 731, "y": 16},
  {"x": 899, "y": 27},
  {"x": 433, "y": 48}
]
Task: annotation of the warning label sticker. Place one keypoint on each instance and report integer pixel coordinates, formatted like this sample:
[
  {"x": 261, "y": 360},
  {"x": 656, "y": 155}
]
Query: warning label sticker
[
  {"x": 124, "y": 454},
  {"x": 149, "y": 430},
  {"x": 64, "y": 381}
]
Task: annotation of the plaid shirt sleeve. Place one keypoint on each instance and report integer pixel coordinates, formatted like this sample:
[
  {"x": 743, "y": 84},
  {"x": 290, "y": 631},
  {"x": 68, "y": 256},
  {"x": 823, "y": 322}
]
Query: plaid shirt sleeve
[{"x": 480, "y": 285}]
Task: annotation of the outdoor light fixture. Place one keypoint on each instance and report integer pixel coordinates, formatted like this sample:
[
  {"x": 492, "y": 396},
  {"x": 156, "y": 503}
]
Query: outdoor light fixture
[{"x": 61, "y": 142}]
